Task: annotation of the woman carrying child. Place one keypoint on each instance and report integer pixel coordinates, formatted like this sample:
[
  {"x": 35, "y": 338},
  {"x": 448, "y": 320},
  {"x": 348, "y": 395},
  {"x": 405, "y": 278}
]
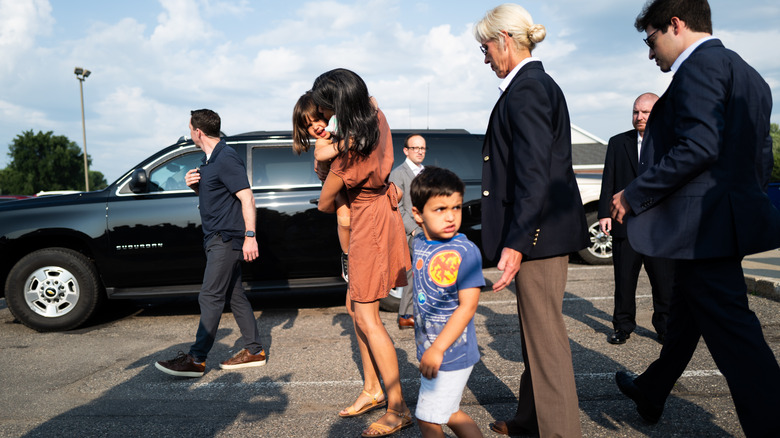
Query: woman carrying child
[{"x": 379, "y": 254}]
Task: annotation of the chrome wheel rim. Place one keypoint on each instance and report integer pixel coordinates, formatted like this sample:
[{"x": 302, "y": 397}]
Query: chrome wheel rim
[
  {"x": 600, "y": 243},
  {"x": 51, "y": 291}
]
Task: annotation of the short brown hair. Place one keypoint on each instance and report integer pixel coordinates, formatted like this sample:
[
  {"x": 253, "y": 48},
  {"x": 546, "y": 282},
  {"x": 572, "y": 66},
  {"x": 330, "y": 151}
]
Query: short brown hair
[
  {"x": 207, "y": 121},
  {"x": 695, "y": 14}
]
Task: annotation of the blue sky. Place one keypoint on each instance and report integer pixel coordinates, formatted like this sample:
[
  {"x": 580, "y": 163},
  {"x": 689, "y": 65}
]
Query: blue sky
[{"x": 152, "y": 61}]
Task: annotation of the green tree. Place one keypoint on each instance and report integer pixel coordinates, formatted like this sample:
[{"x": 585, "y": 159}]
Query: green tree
[
  {"x": 774, "y": 131},
  {"x": 44, "y": 161}
]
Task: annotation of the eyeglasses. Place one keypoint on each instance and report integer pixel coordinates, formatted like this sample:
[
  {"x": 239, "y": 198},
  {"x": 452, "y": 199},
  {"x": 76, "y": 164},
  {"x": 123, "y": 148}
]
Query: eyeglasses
[
  {"x": 415, "y": 149},
  {"x": 484, "y": 48},
  {"x": 649, "y": 43}
]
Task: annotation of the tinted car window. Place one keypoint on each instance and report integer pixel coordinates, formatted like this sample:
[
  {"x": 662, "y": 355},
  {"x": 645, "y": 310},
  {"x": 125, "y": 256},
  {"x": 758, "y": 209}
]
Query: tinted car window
[
  {"x": 460, "y": 155},
  {"x": 280, "y": 166},
  {"x": 170, "y": 175}
]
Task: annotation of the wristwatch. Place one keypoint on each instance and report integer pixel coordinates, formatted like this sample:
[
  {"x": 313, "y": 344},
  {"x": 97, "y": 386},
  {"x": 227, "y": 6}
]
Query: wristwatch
[{"x": 249, "y": 234}]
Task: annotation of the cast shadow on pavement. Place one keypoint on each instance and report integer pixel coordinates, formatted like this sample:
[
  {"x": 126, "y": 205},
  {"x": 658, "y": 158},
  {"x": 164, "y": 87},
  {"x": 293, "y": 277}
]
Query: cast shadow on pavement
[
  {"x": 602, "y": 401},
  {"x": 143, "y": 406}
]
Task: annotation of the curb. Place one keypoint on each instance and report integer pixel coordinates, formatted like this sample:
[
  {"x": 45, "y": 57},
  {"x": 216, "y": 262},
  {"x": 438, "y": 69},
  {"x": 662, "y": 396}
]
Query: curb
[{"x": 763, "y": 286}]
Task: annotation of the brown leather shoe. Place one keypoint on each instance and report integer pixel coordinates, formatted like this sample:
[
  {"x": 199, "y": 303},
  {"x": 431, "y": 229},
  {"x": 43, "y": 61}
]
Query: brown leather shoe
[
  {"x": 405, "y": 323},
  {"x": 244, "y": 359},
  {"x": 183, "y": 365}
]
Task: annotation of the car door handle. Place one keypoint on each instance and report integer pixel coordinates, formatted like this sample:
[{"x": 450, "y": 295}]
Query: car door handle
[{"x": 314, "y": 201}]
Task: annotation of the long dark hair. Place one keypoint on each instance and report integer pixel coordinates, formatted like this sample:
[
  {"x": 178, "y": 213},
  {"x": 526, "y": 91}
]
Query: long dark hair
[
  {"x": 345, "y": 93},
  {"x": 303, "y": 108}
]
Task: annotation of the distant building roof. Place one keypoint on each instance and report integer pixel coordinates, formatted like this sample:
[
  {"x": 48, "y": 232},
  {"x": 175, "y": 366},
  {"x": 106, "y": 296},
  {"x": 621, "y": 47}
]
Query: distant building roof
[{"x": 586, "y": 148}]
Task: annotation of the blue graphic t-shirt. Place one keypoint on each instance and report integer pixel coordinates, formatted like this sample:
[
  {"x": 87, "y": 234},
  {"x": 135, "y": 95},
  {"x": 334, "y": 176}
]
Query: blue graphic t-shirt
[{"x": 441, "y": 269}]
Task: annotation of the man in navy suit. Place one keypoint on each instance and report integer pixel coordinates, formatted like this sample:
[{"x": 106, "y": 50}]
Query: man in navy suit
[
  {"x": 532, "y": 217},
  {"x": 620, "y": 168},
  {"x": 701, "y": 200}
]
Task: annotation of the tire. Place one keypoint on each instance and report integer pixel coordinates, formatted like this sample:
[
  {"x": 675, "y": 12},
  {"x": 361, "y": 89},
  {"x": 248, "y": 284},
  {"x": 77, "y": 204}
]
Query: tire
[
  {"x": 392, "y": 302},
  {"x": 53, "y": 289},
  {"x": 599, "y": 252}
]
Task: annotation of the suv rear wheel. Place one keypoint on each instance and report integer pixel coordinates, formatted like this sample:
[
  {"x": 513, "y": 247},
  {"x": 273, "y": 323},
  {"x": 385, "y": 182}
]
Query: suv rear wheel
[{"x": 53, "y": 289}]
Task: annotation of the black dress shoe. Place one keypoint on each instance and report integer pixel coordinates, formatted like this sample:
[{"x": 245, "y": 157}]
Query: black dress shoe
[
  {"x": 649, "y": 411},
  {"x": 619, "y": 337},
  {"x": 661, "y": 337}
]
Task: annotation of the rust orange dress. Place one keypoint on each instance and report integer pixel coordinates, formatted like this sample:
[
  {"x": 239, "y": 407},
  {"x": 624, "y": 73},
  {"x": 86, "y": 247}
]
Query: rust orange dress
[{"x": 378, "y": 250}]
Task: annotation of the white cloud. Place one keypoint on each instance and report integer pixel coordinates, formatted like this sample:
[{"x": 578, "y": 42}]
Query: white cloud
[
  {"x": 181, "y": 23},
  {"x": 276, "y": 64},
  {"x": 21, "y": 21},
  {"x": 122, "y": 135},
  {"x": 26, "y": 118}
]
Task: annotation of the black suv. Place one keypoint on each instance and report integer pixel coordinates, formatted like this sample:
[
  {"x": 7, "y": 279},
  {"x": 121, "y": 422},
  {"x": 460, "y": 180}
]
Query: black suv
[{"x": 60, "y": 256}]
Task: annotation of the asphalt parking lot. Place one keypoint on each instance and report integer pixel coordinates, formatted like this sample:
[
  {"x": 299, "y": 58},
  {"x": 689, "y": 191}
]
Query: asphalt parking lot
[{"x": 100, "y": 380}]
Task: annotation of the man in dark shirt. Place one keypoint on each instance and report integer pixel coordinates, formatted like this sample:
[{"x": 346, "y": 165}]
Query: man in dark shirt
[{"x": 227, "y": 211}]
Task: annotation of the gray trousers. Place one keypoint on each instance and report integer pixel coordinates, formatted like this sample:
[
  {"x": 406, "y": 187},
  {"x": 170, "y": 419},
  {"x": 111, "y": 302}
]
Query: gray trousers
[
  {"x": 406, "y": 307},
  {"x": 222, "y": 283}
]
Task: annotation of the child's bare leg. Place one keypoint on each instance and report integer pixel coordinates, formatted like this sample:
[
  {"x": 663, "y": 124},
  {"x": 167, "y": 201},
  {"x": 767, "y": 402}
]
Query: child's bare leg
[
  {"x": 463, "y": 425},
  {"x": 343, "y": 218},
  {"x": 430, "y": 430}
]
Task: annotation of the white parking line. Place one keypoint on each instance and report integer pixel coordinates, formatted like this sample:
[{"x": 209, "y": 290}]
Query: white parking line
[
  {"x": 187, "y": 384},
  {"x": 487, "y": 302}
]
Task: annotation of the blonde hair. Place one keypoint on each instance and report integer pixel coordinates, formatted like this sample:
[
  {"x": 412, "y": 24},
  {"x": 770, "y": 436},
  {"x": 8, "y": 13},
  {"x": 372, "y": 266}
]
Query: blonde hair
[{"x": 513, "y": 19}]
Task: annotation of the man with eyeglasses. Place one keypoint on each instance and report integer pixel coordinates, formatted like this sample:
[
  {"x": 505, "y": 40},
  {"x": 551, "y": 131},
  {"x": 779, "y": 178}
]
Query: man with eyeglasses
[
  {"x": 701, "y": 200},
  {"x": 402, "y": 176}
]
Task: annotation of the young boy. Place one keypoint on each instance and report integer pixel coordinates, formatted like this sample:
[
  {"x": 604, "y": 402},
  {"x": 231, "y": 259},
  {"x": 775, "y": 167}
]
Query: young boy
[{"x": 447, "y": 282}]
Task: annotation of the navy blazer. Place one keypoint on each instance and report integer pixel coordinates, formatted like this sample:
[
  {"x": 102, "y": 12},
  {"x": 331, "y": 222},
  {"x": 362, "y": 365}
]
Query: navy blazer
[
  {"x": 705, "y": 163},
  {"x": 530, "y": 199},
  {"x": 620, "y": 168}
]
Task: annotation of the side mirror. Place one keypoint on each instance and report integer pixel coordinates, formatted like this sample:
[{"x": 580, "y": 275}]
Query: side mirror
[{"x": 139, "y": 181}]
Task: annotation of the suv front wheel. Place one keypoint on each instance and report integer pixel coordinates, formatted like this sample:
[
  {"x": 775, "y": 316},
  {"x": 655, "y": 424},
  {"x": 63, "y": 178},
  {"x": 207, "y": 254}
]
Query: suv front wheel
[{"x": 53, "y": 289}]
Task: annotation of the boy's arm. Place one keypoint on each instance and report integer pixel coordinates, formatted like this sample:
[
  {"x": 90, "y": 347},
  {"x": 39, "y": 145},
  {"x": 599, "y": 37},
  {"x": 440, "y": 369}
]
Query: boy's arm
[{"x": 467, "y": 307}]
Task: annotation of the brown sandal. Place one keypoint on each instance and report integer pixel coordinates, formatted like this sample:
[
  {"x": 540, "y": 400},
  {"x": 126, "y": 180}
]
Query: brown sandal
[
  {"x": 382, "y": 430},
  {"x": 374, "y": 404}
]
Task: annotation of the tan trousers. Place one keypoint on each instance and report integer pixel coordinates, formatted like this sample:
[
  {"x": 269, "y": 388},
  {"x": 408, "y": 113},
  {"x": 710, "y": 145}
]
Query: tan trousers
[{"x": 548, "y": 394}]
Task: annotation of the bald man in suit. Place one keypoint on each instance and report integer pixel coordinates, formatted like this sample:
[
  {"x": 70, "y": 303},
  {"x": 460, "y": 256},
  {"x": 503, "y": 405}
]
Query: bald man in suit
[{"x": 620, "y": 168}]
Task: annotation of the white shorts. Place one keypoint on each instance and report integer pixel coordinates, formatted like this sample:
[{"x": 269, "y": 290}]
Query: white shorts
[{"x": 439, "y": 397}]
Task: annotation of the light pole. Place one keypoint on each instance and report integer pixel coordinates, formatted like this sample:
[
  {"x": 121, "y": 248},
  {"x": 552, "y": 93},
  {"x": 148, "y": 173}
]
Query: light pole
[{"x": 82, "y": 74}]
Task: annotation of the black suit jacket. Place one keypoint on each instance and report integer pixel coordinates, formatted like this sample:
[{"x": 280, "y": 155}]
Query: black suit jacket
[
  {"x": 530, "y": 199},
  {"x": 705, "y": 163},
  {"x": 620, "y": 168}
]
